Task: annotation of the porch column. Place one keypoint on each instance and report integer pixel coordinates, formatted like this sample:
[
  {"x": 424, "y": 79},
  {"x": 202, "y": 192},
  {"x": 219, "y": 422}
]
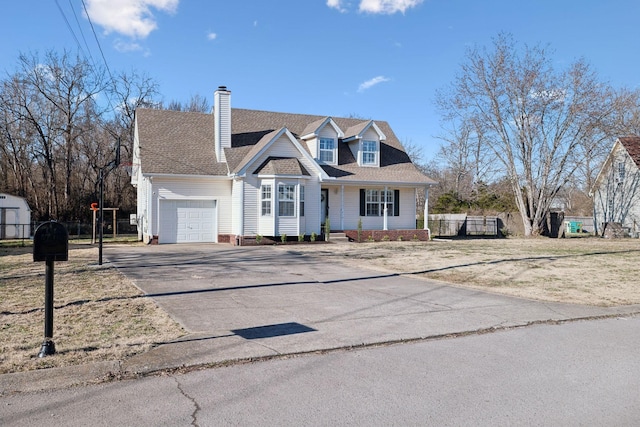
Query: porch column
[
  {"x": 426, "y": 208},
  {"x": 342, "y": 207},
  {"x": 384, "y": 210}
]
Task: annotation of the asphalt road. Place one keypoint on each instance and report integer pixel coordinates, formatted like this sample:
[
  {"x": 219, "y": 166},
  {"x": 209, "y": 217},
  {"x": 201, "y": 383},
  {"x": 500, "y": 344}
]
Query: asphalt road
[{"x": 572, "y": 374}]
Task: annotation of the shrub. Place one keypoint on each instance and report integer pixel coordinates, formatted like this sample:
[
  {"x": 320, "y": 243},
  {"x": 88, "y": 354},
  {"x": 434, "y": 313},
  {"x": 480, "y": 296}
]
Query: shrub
[
  {"x": 301, "y": 238},
  {"x": 258, "y": 238},
  {"x": 283, "y": 238},
  {"x": 314, "y": 236},
  {"x": 385, "y": 238},
  {"x": 370, "y": 238},
  {"x": 400, "y": 238}
]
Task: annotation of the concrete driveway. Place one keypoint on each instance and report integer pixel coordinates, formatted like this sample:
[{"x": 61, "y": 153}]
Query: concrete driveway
[{"x": 247, "y": 302}]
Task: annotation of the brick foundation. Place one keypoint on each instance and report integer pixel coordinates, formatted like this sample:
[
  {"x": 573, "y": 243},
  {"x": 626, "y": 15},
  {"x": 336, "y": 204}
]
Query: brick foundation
[{"x": 387, "y": 235}]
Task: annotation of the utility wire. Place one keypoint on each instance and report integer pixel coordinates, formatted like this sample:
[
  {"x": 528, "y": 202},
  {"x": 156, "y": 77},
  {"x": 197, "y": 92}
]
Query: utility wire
[
  {"x": 112, "y": 80},
  {"x": 64, "y": 16},
  {"x": 75, "y": 15}
]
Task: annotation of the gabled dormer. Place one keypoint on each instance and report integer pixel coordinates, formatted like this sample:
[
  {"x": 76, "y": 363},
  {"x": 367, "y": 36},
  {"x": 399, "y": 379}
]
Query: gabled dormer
[
  {"x": 322, "y": 138},
  {"x": 364, "y": 140}
]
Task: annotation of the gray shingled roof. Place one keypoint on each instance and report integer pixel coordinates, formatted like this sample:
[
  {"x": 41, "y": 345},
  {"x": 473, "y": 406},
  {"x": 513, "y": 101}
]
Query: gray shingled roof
[
  {"x": 632, "y": 145},
  {"x": 174, "y": 142},
  {"x": 281, "y": 166}
]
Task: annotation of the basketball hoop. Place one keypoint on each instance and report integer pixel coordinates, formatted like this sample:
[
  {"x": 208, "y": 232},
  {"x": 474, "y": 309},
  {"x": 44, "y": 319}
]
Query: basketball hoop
[{"x": 128, "y": 167}]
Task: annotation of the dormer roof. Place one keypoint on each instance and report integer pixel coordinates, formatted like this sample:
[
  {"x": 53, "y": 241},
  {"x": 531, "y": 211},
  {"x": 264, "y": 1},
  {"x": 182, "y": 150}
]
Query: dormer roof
[
  {"x": 313, "y": 129},
  {"x": 282, "y": 166},
  {"x": 358, "y": 131}
]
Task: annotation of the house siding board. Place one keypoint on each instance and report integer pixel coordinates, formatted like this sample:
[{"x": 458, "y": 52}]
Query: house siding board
[
  {"x": 623, "y": 196},
  {"x": 253, "y": 220},
  {"x": 238, "y": 220},
  {"x": 144, "y": 209},
  {"x": 15, "y": 217},
  {"x": 311, "y": 206},
  {"x": 406, "y": 219}
]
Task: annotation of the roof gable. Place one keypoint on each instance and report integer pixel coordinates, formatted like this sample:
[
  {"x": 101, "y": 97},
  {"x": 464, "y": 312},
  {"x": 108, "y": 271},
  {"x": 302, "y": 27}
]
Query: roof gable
[
  {"x": 313, "y": 129},
  {"x": 358, "y": 131},
  {"x": 263, "y": 146},
  {"x": 281, "y": 166},
  {"x": 632, "y": 145}
]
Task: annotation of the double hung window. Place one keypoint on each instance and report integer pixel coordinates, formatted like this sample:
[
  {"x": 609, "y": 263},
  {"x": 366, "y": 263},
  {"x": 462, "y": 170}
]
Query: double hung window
[
  {"x": 286, "y": 200},
  {"x": 327, "y": 150},
  {"x": 265, "y": 200},
  {"x": 373, "y": 202},
  {"x": 369, "y": 152}
]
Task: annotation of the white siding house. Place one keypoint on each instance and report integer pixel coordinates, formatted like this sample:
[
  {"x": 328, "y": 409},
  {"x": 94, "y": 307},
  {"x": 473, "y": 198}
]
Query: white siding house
[
  {"x": 616, "y": 192},
  {"x": 15, "y": 217},
  {"x": 236, "y": 174}
]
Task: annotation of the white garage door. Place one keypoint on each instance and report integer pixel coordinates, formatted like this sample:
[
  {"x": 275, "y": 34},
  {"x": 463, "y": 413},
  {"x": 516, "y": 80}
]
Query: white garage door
[{"x": 187, "y": 221}]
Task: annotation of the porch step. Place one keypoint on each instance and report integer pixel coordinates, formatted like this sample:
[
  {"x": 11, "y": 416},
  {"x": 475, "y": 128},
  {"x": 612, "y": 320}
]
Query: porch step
[{"x": 338, "y": 237}]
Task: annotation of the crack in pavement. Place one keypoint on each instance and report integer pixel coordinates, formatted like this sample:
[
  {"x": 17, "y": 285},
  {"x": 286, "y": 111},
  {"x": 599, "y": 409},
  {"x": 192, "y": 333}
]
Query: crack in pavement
[{"x": 194, "y": 414}]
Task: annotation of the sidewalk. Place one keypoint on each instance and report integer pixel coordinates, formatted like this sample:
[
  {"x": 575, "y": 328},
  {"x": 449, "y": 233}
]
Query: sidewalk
[{"x": 276, "y": 304}]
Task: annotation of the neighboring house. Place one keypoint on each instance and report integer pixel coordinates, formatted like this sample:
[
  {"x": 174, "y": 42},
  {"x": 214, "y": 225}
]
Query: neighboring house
[
  {"x": 616, "y": 192},
  {"x": 235, "y": 174},
  {"x": 15, "y": 217}
]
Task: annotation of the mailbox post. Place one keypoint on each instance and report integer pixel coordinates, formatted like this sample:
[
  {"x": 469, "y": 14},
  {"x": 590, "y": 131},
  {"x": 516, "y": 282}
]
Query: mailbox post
[{"x": 50, "y": 244}]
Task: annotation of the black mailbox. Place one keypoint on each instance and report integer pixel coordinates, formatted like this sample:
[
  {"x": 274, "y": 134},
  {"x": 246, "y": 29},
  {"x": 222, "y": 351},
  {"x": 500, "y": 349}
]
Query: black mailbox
[{"x": 51, "y": 242}]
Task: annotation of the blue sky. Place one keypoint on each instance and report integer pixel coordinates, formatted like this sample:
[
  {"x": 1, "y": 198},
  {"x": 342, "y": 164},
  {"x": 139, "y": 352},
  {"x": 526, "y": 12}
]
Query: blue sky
[{"x": 379, "y": 59}]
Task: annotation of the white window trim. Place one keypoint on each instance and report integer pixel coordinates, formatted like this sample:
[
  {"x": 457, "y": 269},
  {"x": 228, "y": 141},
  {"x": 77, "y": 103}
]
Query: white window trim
[
  {"x": 375, "y": 152},
  {"x": 333, "y": 151},
  {"x": 380, "y": 202},
  {"x": 292, "y": 201},
  {"x": 264, "y": 200}
]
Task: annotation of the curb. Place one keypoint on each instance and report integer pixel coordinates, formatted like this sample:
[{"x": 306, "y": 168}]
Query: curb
[{"x": 101, "y": 372}]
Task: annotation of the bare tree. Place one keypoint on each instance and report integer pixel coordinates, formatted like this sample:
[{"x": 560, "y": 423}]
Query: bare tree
[{"x": 538, "y": 123}]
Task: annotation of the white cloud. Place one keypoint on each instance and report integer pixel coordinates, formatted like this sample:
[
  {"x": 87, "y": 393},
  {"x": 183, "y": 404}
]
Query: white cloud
[
  {"x": 337, "y": 4},
  {"x": 132, "y": 18},
  {"x": 372, "y": 82},
  {"x": 124, "y": 46},
  {"x": 211, "y": 36},
  {"x": 387, "y": 7}
]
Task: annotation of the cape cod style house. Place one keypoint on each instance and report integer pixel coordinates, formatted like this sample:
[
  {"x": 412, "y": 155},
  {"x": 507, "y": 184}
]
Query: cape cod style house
[
  {"x": 235, "y": 174},
  {"x": 616, "y": 191}
]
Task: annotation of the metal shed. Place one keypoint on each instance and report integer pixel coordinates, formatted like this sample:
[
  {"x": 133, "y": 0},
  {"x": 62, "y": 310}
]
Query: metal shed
[{"x": 15, "y": 217}]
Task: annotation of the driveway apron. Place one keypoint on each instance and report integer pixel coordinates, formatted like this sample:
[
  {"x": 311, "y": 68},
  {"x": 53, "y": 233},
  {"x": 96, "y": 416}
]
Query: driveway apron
[{"x": 238, "y": 302}]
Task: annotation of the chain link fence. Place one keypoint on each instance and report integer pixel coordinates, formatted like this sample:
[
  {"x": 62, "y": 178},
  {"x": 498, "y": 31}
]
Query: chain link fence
[{"x": 76, "y": 230}]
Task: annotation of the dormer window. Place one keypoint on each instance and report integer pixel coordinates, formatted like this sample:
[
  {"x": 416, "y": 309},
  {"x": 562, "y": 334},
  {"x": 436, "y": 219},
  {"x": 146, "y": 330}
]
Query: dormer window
[
  {"x": 327, "y": 150},
  {"x": 370, "y": 153}
]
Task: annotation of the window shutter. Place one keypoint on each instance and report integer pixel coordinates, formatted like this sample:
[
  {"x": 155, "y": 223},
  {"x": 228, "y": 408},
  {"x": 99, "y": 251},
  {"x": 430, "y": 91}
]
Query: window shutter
[
  {"x": 363, "y": 209},
  {"x": 396, "y": 202}
]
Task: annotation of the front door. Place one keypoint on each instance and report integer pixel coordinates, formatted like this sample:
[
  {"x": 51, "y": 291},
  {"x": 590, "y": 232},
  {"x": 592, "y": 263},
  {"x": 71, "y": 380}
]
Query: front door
[{"x": 324, "y": 207}]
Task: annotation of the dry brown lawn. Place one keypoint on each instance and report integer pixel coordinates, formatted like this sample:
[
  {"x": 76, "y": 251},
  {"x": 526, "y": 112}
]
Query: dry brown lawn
[
  {"x": 592, "y": 271},
  {"x": 98, "y": 313}
]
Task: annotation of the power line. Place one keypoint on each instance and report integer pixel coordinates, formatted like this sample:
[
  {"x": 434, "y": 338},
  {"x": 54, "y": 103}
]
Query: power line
[
  {"x": 75, "y": 15},
  {"x": 64, "y": 16},
  {"x": 99, "y": 47}
]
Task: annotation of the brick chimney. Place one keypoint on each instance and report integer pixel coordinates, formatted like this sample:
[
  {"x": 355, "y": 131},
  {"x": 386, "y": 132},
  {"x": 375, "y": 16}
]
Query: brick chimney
[{"x": 222, "y": 121}]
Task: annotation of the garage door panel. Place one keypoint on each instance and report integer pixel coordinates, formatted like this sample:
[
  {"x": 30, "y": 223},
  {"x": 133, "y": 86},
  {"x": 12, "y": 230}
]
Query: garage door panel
[{"x": 186, "y": 221}]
